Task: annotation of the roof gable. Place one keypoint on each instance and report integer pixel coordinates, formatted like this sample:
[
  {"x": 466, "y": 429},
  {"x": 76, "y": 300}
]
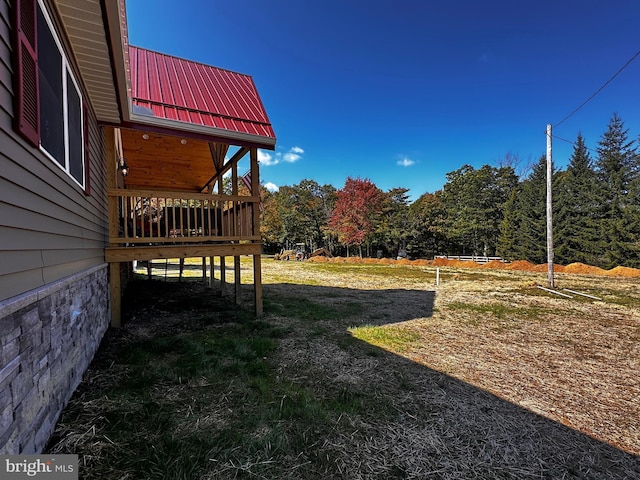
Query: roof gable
[{"x": 166, "y": 90}]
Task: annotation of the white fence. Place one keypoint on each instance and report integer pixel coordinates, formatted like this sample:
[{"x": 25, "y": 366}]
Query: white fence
[{"x": 472, "y": 258}]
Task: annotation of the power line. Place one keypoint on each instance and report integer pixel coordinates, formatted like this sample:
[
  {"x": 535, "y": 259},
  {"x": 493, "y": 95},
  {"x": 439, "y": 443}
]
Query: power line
[
  {"x": 563, "y": 139},
  {"x": 572, "y": 143},
  {"x": 600, "y": 89}
]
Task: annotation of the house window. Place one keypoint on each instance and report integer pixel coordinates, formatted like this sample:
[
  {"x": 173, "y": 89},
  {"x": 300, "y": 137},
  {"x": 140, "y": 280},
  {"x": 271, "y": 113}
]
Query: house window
[
  {"x": 49, "y": 111},
  {"x": 61, "y": 136}
]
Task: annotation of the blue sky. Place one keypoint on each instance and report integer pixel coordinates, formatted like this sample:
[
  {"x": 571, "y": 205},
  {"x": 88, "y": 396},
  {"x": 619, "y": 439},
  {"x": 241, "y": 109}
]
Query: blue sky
[{"x": 402, "y": 92}]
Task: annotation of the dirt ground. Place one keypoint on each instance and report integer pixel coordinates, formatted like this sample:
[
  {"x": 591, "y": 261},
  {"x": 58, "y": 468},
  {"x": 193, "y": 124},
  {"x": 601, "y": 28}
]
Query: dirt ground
[{"x": 492, "y": 377}]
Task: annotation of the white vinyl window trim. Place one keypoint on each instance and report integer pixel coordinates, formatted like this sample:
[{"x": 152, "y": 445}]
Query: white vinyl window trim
[{"x": 66, "y": 74}]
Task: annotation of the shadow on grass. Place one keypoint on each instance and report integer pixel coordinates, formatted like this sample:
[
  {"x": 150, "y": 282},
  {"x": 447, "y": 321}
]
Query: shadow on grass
[
  {"x": 348, "y": 307},
  {"x": 310, "y": 401},
  {"x": 495, "y": 438}
]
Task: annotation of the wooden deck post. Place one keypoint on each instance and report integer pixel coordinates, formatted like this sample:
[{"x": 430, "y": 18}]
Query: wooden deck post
[
  {"x": 211, "y": 273},
  {"x": 236, "y": 227},
  {"x": 115, "y": 282},
  {"x": 257, "y": 284},
  {"x": 257, "y": 260},
  {"x": 223, "y": 274},
  {"x": 115, "y": 293},
  {"x": 236, "y": 279}
]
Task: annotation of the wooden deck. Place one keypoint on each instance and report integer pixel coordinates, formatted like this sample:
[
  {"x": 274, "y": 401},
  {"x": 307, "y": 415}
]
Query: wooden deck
[
  {"x": 171, "y": 203},
  {"x": 149, "y": 225},
  {"x": 162, "y": 224}
]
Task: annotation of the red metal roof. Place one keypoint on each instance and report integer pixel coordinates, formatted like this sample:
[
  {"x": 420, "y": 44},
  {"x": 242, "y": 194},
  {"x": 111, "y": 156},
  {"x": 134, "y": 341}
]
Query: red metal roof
[{"x": 171, "y": 88}]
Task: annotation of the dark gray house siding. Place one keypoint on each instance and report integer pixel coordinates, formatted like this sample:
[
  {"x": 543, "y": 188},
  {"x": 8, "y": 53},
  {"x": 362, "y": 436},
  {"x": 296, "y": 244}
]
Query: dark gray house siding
[
  {"x": 49, "y": 228},
  {"x": 54, "y": 305}
]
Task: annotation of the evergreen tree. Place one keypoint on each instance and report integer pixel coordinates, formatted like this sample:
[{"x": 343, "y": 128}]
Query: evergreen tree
[
  {"x": 474, "y": 201},
  {"x": 531, "y": 216},
  {"x": 617, "y": 169},
  {"x": 507, "y": 246},
  {"x": 427, "y": 220},
  {"x": 393, "y": 230},
  {"x": 506, "y": 186},
  {"x": 577, "y": 214}
]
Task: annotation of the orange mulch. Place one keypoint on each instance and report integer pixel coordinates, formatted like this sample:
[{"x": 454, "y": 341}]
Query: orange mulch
[
  {"x": 523, "y": 265},
  {"x": 465, "y": 264},
  {"x": 584, "y": 269},
  {"x": 494, "y": 264},
  {"x": 386, "y": 261},
  {"x": 441, "y": 262},
  {"x": 544, "y": 266},
  {"x": 422, "y": 263},
  {"x": 623, "y": 272}
]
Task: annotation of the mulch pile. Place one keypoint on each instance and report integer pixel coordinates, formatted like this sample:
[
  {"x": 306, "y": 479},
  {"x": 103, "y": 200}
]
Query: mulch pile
[
  {"x": 521, "y": 265},
  {"x": 623, "y": 272}
]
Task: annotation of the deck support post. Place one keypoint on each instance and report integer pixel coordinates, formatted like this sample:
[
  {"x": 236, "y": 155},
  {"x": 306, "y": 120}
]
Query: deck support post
[
  {"x": 236, "y": 279},
  {"x": 223, "y": 276},
  {"x": 211, "y": 273},
  {"x": 115, "y": 292},
  {"x": 257, "y": 260},
  {"x": 257, "y": 284},
  {"x": 111, "y": 143},
  {"x": 223, "y": 273},
  {"x": 181, "y": 269}
]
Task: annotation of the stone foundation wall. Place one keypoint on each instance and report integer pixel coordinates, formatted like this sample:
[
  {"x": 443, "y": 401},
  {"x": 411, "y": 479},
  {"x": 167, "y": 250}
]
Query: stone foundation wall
[{"x": 48, "y": 337}]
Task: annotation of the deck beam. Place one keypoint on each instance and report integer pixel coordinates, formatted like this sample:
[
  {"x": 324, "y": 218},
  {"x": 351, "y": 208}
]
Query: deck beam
[{"x": 152, "y": 252}]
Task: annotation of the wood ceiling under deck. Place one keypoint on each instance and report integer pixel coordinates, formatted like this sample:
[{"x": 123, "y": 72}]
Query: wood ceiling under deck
[{"x": 166, "y": 162}]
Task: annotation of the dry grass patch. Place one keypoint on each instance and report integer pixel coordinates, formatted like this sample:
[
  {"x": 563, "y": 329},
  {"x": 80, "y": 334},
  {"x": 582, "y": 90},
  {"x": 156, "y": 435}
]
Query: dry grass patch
[
  {"x": 573, "y": 361},
  {"x": 367, "y": 372}
]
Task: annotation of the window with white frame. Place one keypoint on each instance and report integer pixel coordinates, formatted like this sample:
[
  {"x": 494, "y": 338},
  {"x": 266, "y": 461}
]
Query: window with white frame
[{"x": 60, "y": 102}]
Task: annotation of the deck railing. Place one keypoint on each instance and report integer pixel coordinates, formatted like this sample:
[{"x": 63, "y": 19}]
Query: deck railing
[{"x": 149, "y": 216}]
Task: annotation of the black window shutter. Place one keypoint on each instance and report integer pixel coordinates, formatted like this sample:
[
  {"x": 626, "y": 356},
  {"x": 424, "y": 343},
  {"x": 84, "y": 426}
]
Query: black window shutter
[
  {"x": 27, "y": 114},
  {"x": 87, "y": 158}
]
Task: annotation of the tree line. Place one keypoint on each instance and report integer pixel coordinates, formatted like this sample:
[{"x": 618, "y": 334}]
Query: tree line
[{"x": 487, "y": 211}]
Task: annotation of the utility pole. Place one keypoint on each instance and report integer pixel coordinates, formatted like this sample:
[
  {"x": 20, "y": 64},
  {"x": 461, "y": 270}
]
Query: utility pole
[{"x": 549, "y": 210}]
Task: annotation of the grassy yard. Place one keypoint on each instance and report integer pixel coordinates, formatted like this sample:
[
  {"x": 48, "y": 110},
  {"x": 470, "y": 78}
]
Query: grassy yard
[{"x": 365, "y": 371}]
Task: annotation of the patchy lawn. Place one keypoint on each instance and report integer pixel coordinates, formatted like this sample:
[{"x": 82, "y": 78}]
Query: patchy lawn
[{"x": 365, "y": 371}]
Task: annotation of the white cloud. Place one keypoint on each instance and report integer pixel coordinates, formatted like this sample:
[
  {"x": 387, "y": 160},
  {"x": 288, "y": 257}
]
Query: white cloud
[
  {"x": 272, "y": 187},
  {"x": 265, "y": 158},
  {"x": 291, "y": 157},
  {"x": 406, "y": 162}
]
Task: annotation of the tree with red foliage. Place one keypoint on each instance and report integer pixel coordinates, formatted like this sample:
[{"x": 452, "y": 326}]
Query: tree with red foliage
[{"x": 356, "y": 212}]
